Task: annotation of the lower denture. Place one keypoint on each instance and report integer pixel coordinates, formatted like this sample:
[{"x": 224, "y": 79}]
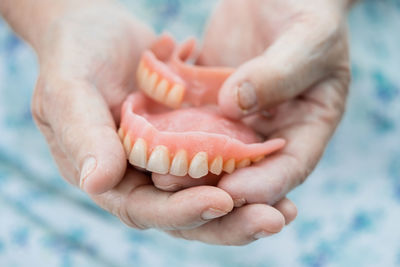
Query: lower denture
[
  {"x": 192, "y": 140},
  {"x": 153, "y": 132}
]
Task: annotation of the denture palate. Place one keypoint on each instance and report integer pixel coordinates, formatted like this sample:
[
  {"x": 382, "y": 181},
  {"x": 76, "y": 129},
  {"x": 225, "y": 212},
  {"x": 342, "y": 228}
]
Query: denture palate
[{"x": 163, "y": 136}]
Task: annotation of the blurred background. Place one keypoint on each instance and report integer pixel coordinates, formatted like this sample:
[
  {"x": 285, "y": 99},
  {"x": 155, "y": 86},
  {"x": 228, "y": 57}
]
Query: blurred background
[{"x": 348, "y": 209}]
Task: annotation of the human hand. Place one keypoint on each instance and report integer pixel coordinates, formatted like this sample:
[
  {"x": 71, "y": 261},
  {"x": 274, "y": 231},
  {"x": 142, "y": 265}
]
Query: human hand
[
  {"x": 88, "y": 58},
  {"x": 291, "y": 82}
]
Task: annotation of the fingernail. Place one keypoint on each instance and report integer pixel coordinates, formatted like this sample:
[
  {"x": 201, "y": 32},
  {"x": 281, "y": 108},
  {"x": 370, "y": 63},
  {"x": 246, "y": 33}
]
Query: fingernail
[
  {"x": 88, "y": 167},
  {"x": 238, "y": 202},
  {"x": 247, "y": 97},
  {"x": 261, "y": 234},
  {"x": 212, "y": 214}
]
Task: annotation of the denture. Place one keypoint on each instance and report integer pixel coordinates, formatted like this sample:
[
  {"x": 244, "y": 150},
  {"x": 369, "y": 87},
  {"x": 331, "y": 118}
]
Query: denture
[{"x": 173, "y": 124}]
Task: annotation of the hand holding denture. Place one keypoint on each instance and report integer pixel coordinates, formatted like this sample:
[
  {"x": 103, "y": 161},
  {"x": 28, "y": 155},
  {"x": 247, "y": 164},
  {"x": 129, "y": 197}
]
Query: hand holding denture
[
  {"x": 88, "y": 58},
  {"x": 181, "y": 131},
  {"x": 291, "y": 82}
]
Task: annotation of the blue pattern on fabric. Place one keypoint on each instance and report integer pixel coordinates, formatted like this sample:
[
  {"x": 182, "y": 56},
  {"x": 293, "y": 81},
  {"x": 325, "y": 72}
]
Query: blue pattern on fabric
[{"x": 349, "y": 208}]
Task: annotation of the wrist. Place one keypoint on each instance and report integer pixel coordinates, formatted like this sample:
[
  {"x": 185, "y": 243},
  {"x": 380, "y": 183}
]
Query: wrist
[{"x": 32, "y": 19}]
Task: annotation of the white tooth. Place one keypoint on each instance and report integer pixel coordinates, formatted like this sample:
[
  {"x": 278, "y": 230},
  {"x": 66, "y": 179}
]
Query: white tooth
[
  {"x": 257, "y": 159},
  {"x": 127, "y": 145},
  {"x": 152, "y": 82},
  {"x": 179, "y": 166},
  {"x": 144, "y": 79},
  {"x": 161, "y": 90},
  {"x": 175, "y": 96},
  {"x": 159, "y": 160},
  {"x": 243, "y": 163},
  {"x": 138, "y": 155},
  {"x": 121, "y": 133},
  {"x": 199, "y": 165},
  {"x": 139, "y": 72},
  {"x": 229, "y": 166},
  {"x": 216, "y": 165}
]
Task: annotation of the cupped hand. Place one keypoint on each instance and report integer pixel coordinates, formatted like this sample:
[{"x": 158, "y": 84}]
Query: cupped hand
[
  {"x": 88, "y": 58},
  {"x": 291, "y": 82}
]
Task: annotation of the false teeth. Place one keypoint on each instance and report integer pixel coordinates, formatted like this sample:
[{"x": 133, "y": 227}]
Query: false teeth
[
  {"x": 229, "y": 166},
  {"x": 159, "y": 161},
  {"x": 179, "y": 165},
  {"x": 199, "y": 165},
  {"x": 138, "y": 155},
  {"x": 127, "y": 145},
  {"x": 216, "y": 165},
  {"x": 243, "y": 163}
]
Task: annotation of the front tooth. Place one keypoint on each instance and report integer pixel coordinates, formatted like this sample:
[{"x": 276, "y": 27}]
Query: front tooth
[
  {"x": 159, "y": 160},
  {"x": 127, "y": 144},
  {"x": 199, "y": 165},
  {"x": 229, "y": 166},
  {"x": 175, "y": 96},
  {"x": 216, "y": 165},
  {"x": 161, "y": 90},
  {"x": 179, "y": 166},
  {"x": 152, "y": 83},
  {"x": 243, "y": 163},
  {"x": 138, "y": 155}
]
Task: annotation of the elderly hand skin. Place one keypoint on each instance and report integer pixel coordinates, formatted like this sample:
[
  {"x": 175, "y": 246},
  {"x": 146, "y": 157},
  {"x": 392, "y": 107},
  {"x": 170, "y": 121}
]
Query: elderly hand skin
[
  {"x": 291, "y": 82},
  {"x": 88, "y": 52}
]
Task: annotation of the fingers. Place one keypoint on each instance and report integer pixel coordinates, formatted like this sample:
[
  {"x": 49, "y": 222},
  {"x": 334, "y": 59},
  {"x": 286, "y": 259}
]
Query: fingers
[
  {"x": 287, "y": 208},
  {"x": 318, "y": 114},
  {"x": 140, "y": 204},
  {"x": 301, "y": 57},
  {"x": 240, "y": 227},
  {"x": 174, "y": 183},
  {"x": 84, "y": 130},
  {"x": 271, "y": 179}
]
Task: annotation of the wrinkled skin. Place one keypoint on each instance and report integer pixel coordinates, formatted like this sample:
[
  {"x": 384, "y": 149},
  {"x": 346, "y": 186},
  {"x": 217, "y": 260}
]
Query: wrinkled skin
[
  {"x": 295, "y": 54},
  {"x": 88, "y": 58}
]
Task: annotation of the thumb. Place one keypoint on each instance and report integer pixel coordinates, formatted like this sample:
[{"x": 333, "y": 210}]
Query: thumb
[
  {"x": 288, "y": 67},
  {"x": 85, "y": 131}
]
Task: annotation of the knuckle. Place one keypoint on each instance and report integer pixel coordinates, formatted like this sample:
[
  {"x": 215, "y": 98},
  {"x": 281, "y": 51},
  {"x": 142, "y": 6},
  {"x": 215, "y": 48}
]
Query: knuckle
[
  {"x": 37, "y": 105},
  {"x": 122, "y": 212}
]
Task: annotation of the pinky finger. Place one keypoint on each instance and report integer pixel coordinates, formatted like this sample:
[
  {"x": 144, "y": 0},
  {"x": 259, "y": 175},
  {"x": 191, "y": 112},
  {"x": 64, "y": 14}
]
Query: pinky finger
[
  {"x": 287, "y": 208},
  {"x": 242, "y": 226}
]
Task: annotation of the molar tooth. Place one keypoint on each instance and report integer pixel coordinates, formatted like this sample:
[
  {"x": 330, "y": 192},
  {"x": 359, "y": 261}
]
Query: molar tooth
[
  {"x": 161, "y": 90},
  {"x": 229, "y": 166},
  {"x": 175, "y": 96},
  {"x": 138, "y": 155},
  {"x": 121, "y": 133},
  {"x": 179, "y": 166},
  {"x": 144, "y": 79},
  {"x": 199, "y": 165},
  {"x": 159, "y": 160},
  {"x": 216, "y": 165},
  {"x": 257, "y": 159},
  {"x": 127, "y": 144},
  {"x": 243, "y": 163},
  {"x": 152, "y": 82},
  {"x": 139, "y": 72}
]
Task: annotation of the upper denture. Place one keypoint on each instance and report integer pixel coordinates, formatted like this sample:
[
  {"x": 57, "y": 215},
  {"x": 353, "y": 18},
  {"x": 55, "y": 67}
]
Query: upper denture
[{"x": 171, "y": 80}]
